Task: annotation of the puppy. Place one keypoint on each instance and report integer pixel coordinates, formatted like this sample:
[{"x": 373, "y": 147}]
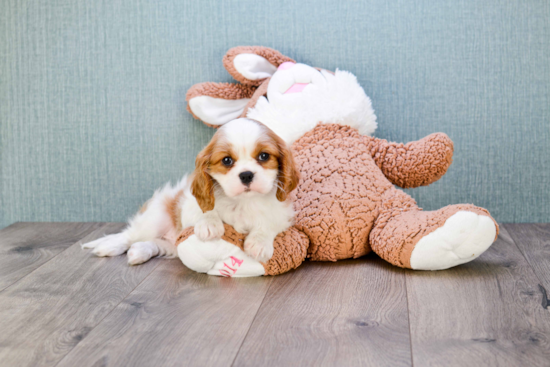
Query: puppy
[{"x": 243, "y": 178}]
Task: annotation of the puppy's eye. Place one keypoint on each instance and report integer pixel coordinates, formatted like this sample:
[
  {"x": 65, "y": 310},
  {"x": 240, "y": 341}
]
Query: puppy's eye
[
  {"x": 227, "y": 161},
  {"x": 263, "y": 157}
]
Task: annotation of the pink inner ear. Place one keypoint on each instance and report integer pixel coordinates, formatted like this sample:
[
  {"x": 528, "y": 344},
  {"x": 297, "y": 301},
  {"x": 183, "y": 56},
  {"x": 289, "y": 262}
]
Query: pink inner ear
[
  {"x": 296, "y": 88},
  {"x": 286, "y": 65}
]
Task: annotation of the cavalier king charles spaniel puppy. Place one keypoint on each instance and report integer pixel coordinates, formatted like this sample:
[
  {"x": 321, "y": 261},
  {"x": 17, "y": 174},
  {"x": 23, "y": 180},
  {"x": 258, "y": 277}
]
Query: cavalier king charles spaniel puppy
[{"x": 242, "y": 178}]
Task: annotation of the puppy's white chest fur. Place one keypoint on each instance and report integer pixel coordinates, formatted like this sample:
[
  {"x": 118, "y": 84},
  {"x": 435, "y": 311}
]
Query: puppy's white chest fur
[{"x": 255, "y": 212}]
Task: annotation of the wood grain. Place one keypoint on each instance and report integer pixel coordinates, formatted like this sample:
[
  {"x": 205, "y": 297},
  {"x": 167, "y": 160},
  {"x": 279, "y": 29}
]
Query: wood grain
[
  {"x": 534, "y": 242},
  {"x": 45, "y": 314},
  {"x": 176, "y": 317},
  {"x": 487, "y": 312},
  {"x": 348, "y": 313},
  {"x": 69, "y": 308},
  {"x": 26, "y": 246}
]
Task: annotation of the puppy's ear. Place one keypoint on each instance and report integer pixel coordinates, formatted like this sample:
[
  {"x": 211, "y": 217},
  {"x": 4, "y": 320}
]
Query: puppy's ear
[
  {"x": 288, "y": 173},
  {"x": 218, "y": 103},
  {"x": 202, "y": 185},
  {"x": 251, "y": 65}
]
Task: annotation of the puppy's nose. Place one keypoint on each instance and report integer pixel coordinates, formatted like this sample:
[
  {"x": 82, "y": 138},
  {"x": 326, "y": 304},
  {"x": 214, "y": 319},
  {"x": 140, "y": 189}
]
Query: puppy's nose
[{"x": 246, "y": 177}]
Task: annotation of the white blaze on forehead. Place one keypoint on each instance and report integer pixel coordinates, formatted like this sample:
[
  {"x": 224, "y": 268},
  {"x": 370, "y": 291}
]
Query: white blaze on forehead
[{"x": 243, "y": 134}]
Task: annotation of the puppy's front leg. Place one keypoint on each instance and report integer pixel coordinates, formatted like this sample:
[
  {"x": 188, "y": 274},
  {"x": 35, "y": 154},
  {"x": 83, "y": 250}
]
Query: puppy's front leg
[
  {"x": 209, "y": 226},
  {"x": 259, "y": 245}
]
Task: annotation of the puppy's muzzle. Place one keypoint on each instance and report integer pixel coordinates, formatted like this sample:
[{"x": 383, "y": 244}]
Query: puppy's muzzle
[{"x": 246, "y": 177}]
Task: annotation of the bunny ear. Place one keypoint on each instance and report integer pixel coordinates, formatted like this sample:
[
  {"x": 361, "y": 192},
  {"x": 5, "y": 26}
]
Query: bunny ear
[
  {"x": 218, "y": 103},
  {"x": 251, "y": 65}
]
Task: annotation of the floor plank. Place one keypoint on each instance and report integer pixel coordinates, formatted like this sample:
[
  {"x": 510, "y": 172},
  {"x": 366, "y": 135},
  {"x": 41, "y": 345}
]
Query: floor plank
[
  {"x": 534, "y": 242},
  {"x": 347, "y": 313},
  {"x": 48, "y": 312},
  {"x": 487, "y": 312},
  {"x": 176, "y": 317},
  {"x": 26, "y": 246}
]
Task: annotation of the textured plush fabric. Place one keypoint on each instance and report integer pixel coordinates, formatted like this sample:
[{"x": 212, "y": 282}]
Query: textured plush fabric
[
  {"x": 415, "y": 164},
  {"x": 92, "y": 94},
  {"x": 344, "y": 200}
]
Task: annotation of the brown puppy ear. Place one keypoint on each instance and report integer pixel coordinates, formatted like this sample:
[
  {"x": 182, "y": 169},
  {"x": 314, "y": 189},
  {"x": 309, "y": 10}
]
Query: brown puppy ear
[
  {"x": 202, "y": 185},
  {"x": 218, "y": 103},
  {"x": 251, "y": 65},
  {"x": 288, "y": 173}
]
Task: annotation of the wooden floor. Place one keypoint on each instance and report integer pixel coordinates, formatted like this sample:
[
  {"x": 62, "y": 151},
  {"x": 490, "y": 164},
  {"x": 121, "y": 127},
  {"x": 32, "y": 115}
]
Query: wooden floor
[{"x": 60, "y": 306}]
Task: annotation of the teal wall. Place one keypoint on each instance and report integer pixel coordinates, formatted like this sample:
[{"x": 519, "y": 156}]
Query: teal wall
[{"x": 92, "y": 93}]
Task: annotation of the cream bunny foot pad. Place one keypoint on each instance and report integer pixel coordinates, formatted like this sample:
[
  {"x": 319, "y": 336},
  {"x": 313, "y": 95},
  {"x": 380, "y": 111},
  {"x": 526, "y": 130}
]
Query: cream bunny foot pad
[
  {"x": 462, "y": 238},
  {"x": 218, "y": 257}
]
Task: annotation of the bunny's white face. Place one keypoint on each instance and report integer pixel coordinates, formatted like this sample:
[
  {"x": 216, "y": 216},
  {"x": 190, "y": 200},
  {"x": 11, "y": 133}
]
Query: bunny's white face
[
  {"x": 299, "y": 97},
  {"x": 291, "y": 80}
]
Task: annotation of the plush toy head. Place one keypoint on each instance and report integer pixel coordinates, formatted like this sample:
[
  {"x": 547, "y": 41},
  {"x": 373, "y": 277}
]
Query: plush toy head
[{"x": 290, "y": 98}]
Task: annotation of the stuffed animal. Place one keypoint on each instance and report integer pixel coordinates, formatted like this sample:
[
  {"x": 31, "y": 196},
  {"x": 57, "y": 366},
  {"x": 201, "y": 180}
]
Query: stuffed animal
[{"x": 346, "y": 203}]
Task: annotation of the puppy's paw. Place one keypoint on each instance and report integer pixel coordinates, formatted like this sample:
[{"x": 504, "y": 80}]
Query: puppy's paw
[
  {"x": 209, "y": 228},
  {"x": 259, "y": 248},
  {"x": 99, "y": 241},
  {"x": 141, "y": 252},
  {"x": 113, "y": 245}
]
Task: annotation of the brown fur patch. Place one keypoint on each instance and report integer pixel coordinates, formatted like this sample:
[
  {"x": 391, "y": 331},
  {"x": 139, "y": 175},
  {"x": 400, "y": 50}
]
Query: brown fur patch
[
  {"x": 202, "y": 185},
  {"x": 173, "y": 207},
  {"x": 289, "y": 175},
  {"x": 209, "y": 161},
  {"x": 270, "y": 147},
  {"x": 220, "y": 151}
]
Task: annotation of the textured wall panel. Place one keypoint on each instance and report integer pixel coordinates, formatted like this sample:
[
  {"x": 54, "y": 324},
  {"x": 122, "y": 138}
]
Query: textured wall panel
[{"x": 92, "y": 107}]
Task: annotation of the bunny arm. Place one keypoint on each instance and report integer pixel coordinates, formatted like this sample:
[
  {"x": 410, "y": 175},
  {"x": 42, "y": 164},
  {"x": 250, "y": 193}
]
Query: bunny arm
[
  {"x": 290, "y": 248},
  {"x": 418, "y": 163}
]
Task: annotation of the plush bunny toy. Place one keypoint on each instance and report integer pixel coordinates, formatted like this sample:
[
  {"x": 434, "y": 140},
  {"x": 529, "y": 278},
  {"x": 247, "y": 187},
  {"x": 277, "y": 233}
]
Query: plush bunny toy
[{"x": 346, "y": 203}]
